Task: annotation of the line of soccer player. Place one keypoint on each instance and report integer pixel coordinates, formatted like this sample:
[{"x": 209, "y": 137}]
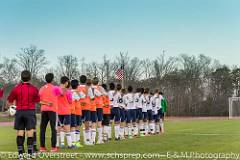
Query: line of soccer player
[{"x": 85, "y": 103}]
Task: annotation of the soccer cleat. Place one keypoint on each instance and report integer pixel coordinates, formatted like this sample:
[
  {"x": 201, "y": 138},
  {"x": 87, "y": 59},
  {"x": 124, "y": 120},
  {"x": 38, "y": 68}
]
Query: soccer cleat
[
  {"x": 78, "y": 145},
  {"x": 72, "y": 147},
  {"x": 88, "y": 143},
  {"x": 20, "y": 157},
  {"x": 54, "y": 149},
  {"x": 117, "y": 139},
  {"x": 43, "y": 149},
  {"x": 130, "y": 137}
]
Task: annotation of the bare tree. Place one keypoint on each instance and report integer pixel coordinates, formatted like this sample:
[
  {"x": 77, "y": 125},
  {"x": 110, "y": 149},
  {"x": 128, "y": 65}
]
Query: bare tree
[
  {"x": 9, "y": 71},
  {"x": 147, "y": 65},
  {"x": 163, "y": 66},
  {"x": 68, "y": 66},
  {"x": 32, "y": 59}
]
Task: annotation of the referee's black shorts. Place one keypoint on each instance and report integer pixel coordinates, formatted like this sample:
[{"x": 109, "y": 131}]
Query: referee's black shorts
[{"x": 25, "y": 120}]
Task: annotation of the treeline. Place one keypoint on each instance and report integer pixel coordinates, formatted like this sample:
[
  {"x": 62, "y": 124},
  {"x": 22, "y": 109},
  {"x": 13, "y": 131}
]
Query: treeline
[{"x": 193, "y": 85}]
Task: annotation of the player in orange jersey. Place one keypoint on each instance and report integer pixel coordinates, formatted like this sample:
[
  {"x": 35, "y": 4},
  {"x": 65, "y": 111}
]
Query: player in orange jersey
[{"x": 106, "y": 114}]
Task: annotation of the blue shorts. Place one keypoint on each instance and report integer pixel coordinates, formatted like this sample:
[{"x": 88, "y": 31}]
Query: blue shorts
[
  {"x": 161, "y": 113},
  {"x": 73, "y": 120},
  {"x": 115, "y": 114},
  {"x": 99, "y": 114},
  {"x": 86, "y": 115},
  {"x": 145, "y": 116},
  {"x": 78, "y": 120},
  {"x": 139, "y": 114},
  {"x": 131, "y": 115},
  {"x": 64, "y": 120},
  {"x": 123, "y": 115},
  {"x": 156, "y": 117},
  {"x": 150, "y": 115},
  {"x": 94, "y": 116}
]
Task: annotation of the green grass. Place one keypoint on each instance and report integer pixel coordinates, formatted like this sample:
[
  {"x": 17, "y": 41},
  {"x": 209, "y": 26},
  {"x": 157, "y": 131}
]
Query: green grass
[{"x": 207, "y": 136}]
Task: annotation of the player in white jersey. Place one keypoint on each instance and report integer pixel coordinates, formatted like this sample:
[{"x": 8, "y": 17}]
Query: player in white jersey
[
  {"x": 122, "y": 107},
  {"x": 150, "y": 114},
  {"x": 114, "y": 96},
  {"x": 131, "y": 111},
  {"x": 144, "y": 98},
  {"x": 97, "y": 112},
  {"x": 139, "y": 115},
  {"x": 156, "y": 103}
]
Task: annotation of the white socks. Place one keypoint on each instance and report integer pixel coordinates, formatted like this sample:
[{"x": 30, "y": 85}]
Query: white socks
[
  {"x": 157, "y": 127},
  {"x": 87, "y": 136},
  {"x": 73, "y": 136},
  {"x": 62, "y": 134},
  {"x": 141, "y": 128},
  {"x": 69, "y": 139},
  {"x": 135, "y": 130},
  {"x": 117, "y": 128},
  {"x": 146, "y": 128},
  {"x": 105, "y": 133},
  {"x": 100, "y": 134},
  {"x": 152, "y": 127},
  {"x": 130, "y": 128},
  {"x": 58, "y": 140},
  {"x": 93, "y": 135},
  {"x": 77, "y": 135},
  {"x": 109, "y": 131}
]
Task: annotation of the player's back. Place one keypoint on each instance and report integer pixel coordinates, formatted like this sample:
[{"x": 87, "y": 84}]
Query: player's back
[
  {"x": 113, "y": 95},
  {"x": 85, "y": 100},
  {"x": 130, "y": 101},
  {"x": 64, "y": 102},
  {"x": 26, "y": 96},
  {"x": 47, "y": 95}
]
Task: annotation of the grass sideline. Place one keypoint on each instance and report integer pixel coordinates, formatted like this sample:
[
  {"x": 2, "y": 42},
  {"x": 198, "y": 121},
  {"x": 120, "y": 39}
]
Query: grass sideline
[{"x": 205, "y": 136}]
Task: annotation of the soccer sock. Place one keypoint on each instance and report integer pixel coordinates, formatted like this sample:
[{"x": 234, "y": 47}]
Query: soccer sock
[
  {"x": 151, "y": 126},
  {"x": 105, "y": 132},
  {"x": 35, "y": 141},
  {"x": 58, "y": 140},
  {"x": 30, "y": 145},
  {"x": 87, "y": 136},
  {"x": 157, "y": 128},
  {"x": 69, "y": 139},
  {"x": 141, "y": 128},
  {"x": 109, "y": 132},
  {"x": 62, "y": 134},
  {"x": 146, "y": 128},
  {"x": 121, "y": 133},
  {"x": 135, "y": 129},
  {"x": 116, "y": 128},
  {"x": 20, "y": 142},
  {"x": 93, "y": 135},
  {"x": 77, "y": 135},
  {"x": 100, "y": 134},
  {"x": 129, "y": 129},
  {"x": 73, "y": 136}
]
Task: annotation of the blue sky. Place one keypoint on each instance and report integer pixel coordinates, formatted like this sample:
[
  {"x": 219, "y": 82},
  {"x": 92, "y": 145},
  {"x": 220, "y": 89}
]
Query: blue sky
[{"x": 92, "y": 28}]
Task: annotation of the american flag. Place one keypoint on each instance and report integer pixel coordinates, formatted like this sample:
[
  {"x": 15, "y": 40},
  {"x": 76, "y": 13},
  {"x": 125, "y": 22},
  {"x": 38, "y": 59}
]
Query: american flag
[{"x": 120, "y": 73}]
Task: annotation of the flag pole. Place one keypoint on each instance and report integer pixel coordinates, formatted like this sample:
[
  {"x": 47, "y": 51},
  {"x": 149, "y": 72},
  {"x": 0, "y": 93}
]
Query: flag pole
[{"x": 122, "y": 67}]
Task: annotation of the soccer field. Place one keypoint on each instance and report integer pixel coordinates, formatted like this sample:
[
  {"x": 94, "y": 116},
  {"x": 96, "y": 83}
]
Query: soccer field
[{"x": 182, "y": 135}]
